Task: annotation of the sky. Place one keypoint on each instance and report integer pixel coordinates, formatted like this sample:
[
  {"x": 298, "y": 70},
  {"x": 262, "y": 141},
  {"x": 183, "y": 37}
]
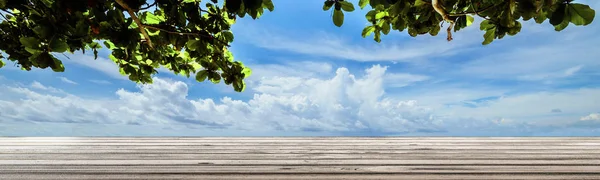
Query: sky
[{"x": 311, "y": 78}]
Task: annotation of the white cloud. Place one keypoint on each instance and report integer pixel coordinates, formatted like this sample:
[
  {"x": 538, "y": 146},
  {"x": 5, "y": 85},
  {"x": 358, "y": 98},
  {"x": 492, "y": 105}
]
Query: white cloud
[
  {"x": 403, "y": 79},
  {"x": 302, "y": 69},
  {"x": 66, "y": 80},
  {"x": 102, "y": 82},
  {"x": 343, "y": 103},
  {"x": 40, "y": 86},
  {"x": 329, "y": 45},
  {"x": 101, "y": 64},
  {"x": 591, "y": 117}
]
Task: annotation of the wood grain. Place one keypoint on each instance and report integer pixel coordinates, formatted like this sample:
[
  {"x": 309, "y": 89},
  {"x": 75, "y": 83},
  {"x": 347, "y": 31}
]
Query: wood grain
[{"x": 299, "y": 158}]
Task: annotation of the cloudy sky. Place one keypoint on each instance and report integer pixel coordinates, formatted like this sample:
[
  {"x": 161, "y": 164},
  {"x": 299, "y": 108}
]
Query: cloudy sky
[{"x": 311, "y": 78}]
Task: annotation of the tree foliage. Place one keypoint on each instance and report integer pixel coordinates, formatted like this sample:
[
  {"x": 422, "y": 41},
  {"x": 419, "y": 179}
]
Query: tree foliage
[{"x": 193, "y": 36}]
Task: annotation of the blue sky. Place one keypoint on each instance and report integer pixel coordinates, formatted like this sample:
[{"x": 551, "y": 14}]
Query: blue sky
[{"x": 311, "y": 78}]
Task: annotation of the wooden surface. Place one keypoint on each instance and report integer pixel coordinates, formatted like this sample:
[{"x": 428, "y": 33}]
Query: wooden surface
[{"x": 361, "y": 158}]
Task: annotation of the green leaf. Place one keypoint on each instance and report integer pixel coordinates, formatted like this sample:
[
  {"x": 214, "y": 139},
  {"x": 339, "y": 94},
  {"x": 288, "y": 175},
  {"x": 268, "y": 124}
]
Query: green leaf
[
  {"x": 191, "y": 44},
  {"x": 516, "y": 29},
  {"x": 253, "y": 4},
  {"x": 216, "y": 79},
  {"x": 269, "y": 5},
  {"x": 419, "y": 2},
  {"x": 338, "y": 18},
  {"x": 32, "y": 50},
  {"x": 581, "y": 14},
  {"x": 485, "y": 25},
  {"x": 201, "y": 75},
  {"x": 363, "y": 3},
  {"x": 150, "y": 18},
  {"x": 228, "y": 35},
  {"x": 1, "y": 62},
  {"x": 327, "y": 5},
  {"x": 385, "y": 28},
  {"x": 435, "y": 30},
  {"x": 562, "y": 25},
  {"x": 367, "y": 31},
  {"x": 377, "y": 36},
  {"x": 347, "y": 6},
  {"x": 247, "y": 72},
  {"x": 380, "y": 15},
  {"x": 470, "y": 20},
  {"x": 109, "y": 44},
  {"x": 233, "y": 5},
  {"x": 57, "y": 65},
  {"x": 558, "y": 15},
  {"x": 489, "y": 36},
  {"x": 58, "y": 45},
  {"x": 2, "y": 5},
  {"x": 95, "y": 45},
  {"x": 540, "y": 18},
  {"x": 42, "y": 31},
  {"x": 30, "y": 42},
  {"x": 371, "y": 15}
]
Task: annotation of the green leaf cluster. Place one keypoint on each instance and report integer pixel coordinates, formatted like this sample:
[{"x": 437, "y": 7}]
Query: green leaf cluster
[
  {"x": 187, "y": 36},
  {"x": 339, "y": 6},
  {"x": 193, "y": 36},
  {"x": 502, "y": 17}
]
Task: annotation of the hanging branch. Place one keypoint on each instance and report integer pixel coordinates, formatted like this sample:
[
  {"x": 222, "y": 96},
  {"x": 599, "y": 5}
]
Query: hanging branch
[
  {"x": 137, "y": 21},
  {"x": 185, "y": 33},
  {"x": 438, "y": 7}
]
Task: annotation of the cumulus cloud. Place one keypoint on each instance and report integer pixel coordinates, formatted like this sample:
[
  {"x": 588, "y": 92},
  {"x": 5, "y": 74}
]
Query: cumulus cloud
[
  {"x": 40, "y": 86},
  {"x": 343, "y": 103}
]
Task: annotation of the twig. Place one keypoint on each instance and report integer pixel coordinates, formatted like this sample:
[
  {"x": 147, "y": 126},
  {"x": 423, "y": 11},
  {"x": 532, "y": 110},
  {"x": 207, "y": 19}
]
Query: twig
[
  {"x": 65, "y": 55},
  {"x": 185, "y": 33},
  {"x": 476, "y": 12},
  {"x": 149, "y": 5},
  {"x": 137, "y": 21},
  {"x": 438, "y": 7}
]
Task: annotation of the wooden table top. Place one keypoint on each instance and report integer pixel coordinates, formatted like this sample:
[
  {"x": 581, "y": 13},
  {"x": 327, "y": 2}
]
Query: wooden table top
[{"x": 359, "y": 158}]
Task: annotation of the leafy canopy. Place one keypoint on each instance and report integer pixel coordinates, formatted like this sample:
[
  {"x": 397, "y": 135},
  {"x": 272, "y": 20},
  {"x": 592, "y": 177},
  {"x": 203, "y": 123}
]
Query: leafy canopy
[{"x": 193, "y": 36}]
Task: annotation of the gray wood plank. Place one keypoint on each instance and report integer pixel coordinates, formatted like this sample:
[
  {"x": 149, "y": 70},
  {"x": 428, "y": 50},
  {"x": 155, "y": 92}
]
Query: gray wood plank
[
  {"x": 315, "y": 156},
  {"x": 299, "y": 158}
]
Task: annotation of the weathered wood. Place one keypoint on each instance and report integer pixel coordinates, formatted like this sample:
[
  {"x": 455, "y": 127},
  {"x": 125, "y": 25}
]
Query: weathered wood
[
  {"x": 314, "y": 156},
  {"x": 299, "y": 158}
]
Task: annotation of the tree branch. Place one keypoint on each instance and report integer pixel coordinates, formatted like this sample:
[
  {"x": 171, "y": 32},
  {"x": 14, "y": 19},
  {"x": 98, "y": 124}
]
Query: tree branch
[
  {"x": 137, "y": 21},
  {"x": 439, "y": 8},
  {"x": 476, "y": 11},
  {"x": 185, "y": 33},
  {"x": 149, "y": 5}
]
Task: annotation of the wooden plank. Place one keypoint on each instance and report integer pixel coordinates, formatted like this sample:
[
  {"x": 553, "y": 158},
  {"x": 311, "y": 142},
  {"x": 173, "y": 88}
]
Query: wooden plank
[
  {"x": 316, "y": 156},
  {"x": 317, "y": 143},
  {"x": 299, "y": 158},
  {"x": 302, "y": 147},
  {"x": 292, "y": 151},
  {"x": 349, "y": 169},
  {"x": 295, "y": 177},
  {"x": 302, "y": 162}
]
